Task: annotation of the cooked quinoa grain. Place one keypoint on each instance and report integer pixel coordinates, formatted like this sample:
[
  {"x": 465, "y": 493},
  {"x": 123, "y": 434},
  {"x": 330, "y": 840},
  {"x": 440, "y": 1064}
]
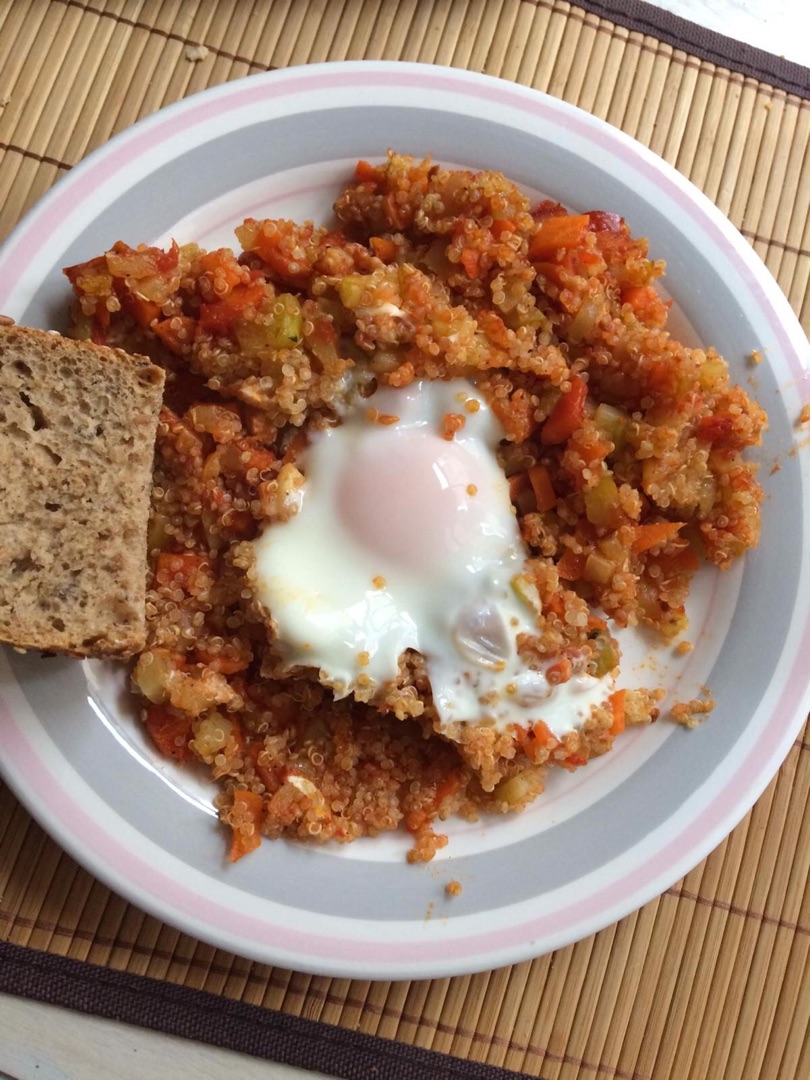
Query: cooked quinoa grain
[{"x": 622, "y": 448}]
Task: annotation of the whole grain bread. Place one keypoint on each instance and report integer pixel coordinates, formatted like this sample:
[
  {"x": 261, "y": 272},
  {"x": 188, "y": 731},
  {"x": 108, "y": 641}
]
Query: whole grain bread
[{"x": 77, "y": 434}]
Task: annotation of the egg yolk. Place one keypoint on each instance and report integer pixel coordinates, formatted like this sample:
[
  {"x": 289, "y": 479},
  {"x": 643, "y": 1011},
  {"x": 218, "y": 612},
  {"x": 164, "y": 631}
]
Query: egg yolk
[{"x": 411, "y": 506}]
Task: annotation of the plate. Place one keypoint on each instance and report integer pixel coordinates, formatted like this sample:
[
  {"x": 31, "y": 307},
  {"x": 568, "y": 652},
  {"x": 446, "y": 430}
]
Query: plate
[{"x": 600, "y": 842}]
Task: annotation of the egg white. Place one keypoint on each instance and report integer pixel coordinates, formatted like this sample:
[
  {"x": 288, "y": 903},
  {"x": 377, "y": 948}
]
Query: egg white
[{"x": 405, "y": 539}]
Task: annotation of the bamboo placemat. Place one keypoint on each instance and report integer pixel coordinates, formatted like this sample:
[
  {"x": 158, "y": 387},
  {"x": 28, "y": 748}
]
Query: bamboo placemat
[{"x": 709, "y": 980}]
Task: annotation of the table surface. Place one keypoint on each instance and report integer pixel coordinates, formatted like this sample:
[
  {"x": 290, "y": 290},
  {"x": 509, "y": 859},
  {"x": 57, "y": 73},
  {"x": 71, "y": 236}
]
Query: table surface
[{"x": 43, "y": 1042}]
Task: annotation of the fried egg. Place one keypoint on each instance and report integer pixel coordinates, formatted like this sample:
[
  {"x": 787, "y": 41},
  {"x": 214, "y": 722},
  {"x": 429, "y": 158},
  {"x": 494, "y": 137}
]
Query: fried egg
[{"x": 406, "y": 538}]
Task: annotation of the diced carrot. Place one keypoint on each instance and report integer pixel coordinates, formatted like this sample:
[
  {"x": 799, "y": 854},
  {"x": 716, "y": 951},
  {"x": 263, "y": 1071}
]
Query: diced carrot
[
  {"x": 556, "y": 233},
  {"x": 617, "y": 703},
  {"x": 144, "y": 312},
  {"x": 170, "y": 731},
  {"x": 560, "y": 671},
  {"x": 518, "y": 483},
  {"x": 571, "y": 566},
  {"x": 498, "y": 228},
  {"x": 543, "y": 488},
  {"x": 567, "y": 415},
  {"x": 536, "y": 739},
  {"x": 246, "y": 812},
  {"x": 591, "y": 449},
  {"x": 224, "y": 267},
  {"x": 384, "y": 249},
  {"x": 542, "y": 732},
  {"x": 554, "y": 604},
  {"x": 657, "y": 532}
]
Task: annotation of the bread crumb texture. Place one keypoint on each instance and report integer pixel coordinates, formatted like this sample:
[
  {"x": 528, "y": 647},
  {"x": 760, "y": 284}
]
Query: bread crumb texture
[{"x": 77, "y": 433}]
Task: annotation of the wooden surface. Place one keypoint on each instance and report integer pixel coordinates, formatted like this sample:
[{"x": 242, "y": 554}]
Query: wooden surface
[{"x": 710, "y": 979}]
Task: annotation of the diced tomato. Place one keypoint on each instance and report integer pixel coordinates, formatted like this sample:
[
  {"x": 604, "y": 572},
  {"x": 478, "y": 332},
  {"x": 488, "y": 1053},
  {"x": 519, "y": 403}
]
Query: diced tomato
[
  {"x": 91, "y": 268},
  {"x": 567, "y": 415},
  {"x": 719, "y": 431},
  {"x": 574, "y": 761},
  {"x": 218, "y": 317},
  {"x": 170, "y": 731},
  {"x": 647, "y": 304},
  {"x": 602, "y": 222},
  {"x": 548, "y": 208},
  {"x": 571, "y": 566}
]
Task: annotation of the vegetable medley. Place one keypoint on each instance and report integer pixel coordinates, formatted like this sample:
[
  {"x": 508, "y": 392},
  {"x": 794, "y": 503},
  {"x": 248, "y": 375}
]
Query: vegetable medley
[{"x": 623, "y": 450}]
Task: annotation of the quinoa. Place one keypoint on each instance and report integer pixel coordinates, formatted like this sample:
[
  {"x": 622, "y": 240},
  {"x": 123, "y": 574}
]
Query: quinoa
[{"x": 623, "y": 449}]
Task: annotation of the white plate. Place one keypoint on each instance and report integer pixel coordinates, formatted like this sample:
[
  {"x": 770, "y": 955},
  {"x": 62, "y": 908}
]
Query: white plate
[{"x": 600, "y": 842}]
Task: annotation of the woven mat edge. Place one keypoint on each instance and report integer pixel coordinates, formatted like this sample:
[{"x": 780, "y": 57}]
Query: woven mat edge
[
  {"x": 707, "y": 44},
  {"x": 222, "y": 1022}
]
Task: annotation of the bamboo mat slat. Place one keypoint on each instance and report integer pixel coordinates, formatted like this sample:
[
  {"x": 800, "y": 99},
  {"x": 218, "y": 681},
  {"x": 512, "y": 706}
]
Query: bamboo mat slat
[{"x": 708, "y": 980}]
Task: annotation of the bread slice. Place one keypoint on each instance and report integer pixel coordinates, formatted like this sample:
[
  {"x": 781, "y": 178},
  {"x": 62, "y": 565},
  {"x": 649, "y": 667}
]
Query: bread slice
[{"x": 77, "y": 435}]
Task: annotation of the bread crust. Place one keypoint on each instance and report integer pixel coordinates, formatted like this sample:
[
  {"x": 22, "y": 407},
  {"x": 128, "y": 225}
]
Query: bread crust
[{"x": 77, "y": 433}]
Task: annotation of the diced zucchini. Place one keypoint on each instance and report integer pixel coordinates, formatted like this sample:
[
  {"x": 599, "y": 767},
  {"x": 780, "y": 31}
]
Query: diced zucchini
[
  {"x": 602, "y": 501},
  {"x": 611, "y": 422}
]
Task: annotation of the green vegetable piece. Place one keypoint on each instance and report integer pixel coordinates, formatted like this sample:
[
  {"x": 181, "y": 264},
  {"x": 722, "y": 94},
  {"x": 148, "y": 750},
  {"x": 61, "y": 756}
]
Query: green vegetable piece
[
  {"x": 602, "y": 502},
  {"x": 611, "y": 422}
]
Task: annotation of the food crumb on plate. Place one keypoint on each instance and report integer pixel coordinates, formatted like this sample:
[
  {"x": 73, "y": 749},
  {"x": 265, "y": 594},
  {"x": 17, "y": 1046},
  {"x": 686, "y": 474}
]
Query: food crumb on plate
[
  {"x": 691, "y": 713},
  {"x": 804, "y": 415},
  {"x": 453, "y": 888},
  {"x": 756, "y": 356},
  {"x": 683, "y": 647}
]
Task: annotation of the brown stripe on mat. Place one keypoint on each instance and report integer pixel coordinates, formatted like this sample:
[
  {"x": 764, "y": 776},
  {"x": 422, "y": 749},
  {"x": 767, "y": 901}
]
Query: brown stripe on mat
[
  {"x": 231, "y": 1025},
  {"x": 708, "y": 44}
]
